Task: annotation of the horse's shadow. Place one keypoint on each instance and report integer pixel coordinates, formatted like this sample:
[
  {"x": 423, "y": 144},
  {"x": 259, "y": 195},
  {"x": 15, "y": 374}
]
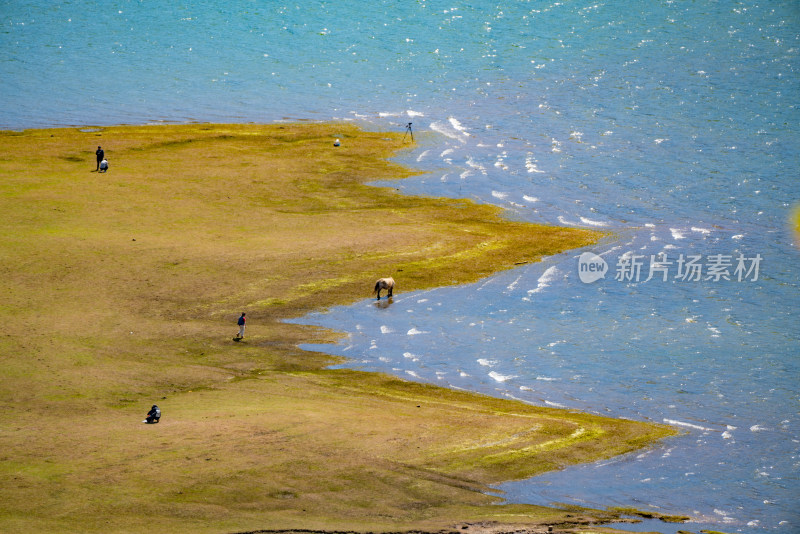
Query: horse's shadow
[{"x": 383, "y": 304}]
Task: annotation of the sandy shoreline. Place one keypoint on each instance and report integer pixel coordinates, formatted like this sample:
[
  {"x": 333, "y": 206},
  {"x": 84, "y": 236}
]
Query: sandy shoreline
[{"x": 126, "y": 283}]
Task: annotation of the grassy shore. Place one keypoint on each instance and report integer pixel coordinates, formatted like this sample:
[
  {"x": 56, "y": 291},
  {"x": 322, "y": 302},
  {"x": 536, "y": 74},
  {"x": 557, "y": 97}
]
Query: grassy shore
[{"x": 122, "y": 289}]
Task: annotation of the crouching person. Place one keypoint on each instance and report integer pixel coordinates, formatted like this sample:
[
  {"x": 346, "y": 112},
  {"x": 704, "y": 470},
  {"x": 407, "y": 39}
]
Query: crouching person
[{"x": 153, "y": 415}]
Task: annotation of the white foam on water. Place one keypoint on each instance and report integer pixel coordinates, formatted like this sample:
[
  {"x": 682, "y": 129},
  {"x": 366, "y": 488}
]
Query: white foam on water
[
  {"x": 412, "y": 373},
  {"x": 446, "y": 152},
  {"x": 386, "y": 330},
  {"x": 447, "y": 132},
  {"x": 530, "y": 199},
  {"x": 513, "y": 284},
  {"x": 488, "y": 282},
  {"x": 544, "y": 281},
  {"x": 422, "y": 156},
  {"x": 726, "y": 516},
  {"x": 687, "y": 425},
  {"x": 737, "y": 236},
  {"x": 704, "y": 231},
  {"x": 415, "y": 332},
  {"x": 412, "y": 113},
  {"x": 676, "y": 233},
  {"x": 591, "y": 222},
  {"x": 475, "y": 165},
  {"x": 554, "y": 404},
  {"x": 456, "y": 124},
  {"x": 546, "y": 378},
  {"x": 757, "y": 428},
  {"x": 501, "y": 378},
  {"x": 500, "y": 195},
  {"x": 609, "y": 251},
  {"x": 533, "y": 168},
  {"x": 487, "y": 363},
  {"x": 410, "y": 356},
  {"x": 531, "y": 164}
]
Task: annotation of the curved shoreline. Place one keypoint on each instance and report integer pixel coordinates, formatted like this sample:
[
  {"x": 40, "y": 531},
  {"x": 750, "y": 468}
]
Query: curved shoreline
[{"x": 193, "y": 223}]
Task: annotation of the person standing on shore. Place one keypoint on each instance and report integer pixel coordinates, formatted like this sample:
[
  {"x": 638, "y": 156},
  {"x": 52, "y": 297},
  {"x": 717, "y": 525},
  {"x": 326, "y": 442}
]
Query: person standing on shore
[
  {"x": 241, "y": 322},
  {"x": 100, "y": 156}
]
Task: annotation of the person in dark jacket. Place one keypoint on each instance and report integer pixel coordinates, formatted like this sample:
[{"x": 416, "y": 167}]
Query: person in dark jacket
[
  {"x": 153, "y": 415},
  {"x": 241, "y": 322},
  {"x": 100, "y": 157}
]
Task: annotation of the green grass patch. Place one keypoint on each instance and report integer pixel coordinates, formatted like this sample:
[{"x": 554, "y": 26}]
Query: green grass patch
[{"x": 667, "y": 518}]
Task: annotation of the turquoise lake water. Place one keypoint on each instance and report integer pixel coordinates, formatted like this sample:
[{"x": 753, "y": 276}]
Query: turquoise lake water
[{"x": 674, "y": 124}]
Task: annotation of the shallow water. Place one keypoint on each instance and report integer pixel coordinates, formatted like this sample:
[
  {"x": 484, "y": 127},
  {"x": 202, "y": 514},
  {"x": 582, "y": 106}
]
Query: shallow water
[{"x": 673, "y": 125}]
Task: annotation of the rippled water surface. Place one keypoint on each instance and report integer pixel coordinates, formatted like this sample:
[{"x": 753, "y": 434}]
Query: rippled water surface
[{"x": 672, "y": 124}]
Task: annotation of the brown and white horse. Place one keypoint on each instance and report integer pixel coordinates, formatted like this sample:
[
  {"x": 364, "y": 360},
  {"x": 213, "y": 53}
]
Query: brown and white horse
[{"x": 384, "y": 283}]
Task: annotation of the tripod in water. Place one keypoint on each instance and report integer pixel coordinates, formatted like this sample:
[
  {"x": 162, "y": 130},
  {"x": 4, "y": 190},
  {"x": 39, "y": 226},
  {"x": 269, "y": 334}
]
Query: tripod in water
[{"x": 408, "y": 131}]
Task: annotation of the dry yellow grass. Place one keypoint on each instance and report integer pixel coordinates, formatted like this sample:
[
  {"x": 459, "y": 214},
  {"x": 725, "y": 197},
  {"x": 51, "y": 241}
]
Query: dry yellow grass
[{"x": 121, "y": 290}]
